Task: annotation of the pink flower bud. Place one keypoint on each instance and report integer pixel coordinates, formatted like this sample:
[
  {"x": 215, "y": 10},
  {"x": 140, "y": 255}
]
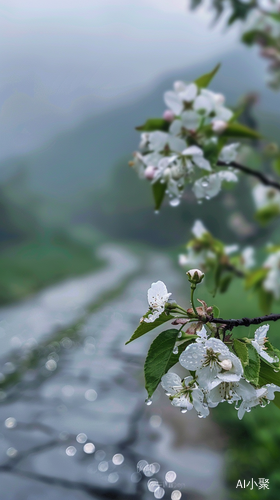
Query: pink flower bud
[
  {"x": 150, "y": 172},
  {"x": 168, "y": 115},
  {"x": 219, "y": 126}
]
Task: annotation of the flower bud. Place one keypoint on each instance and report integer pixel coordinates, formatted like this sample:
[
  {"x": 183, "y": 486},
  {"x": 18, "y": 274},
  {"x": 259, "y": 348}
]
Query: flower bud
[
  {"x": 168, "y": 115},
  {"x": 195, "y": 276},
  {"x": 219, "y": 99},
  {"x": 226, "y": 364},
  {"x": 150, "y": 172},
  {"x": 219, "y": 126}
]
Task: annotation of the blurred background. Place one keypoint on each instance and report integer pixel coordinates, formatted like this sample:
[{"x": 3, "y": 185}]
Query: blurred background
[{"x": 80, "y": 245}]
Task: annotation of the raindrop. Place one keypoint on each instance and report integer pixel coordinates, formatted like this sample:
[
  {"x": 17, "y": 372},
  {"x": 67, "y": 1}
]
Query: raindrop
[
  {"x": 103, "y": 466},
  {"x": 91, "y": 395},
  {"x": 66, "y": 343},
  {"x": 152, "y": 485},
  {"x": 100, "y": 455},
  {"x": 141, "y": 464},
  {"x": 148, "y": 401},
  {"x": 174, "y": 203},
  {"x": 175, "y": 350},
  {"x": 71, "y": 451},
  {"x": 89, "y": 448},
  {"x": 51, "y": 365},
  {"x": 199, "y": 202},
  {"x": 155, "y": 468},
  {"x": 135, "y": 477},
  {"x": 113, "y": 477},
  {"x": 11, "y": 452},
  {"x": 176, "y": 495},
  {"x": 183, "y": 410},
  {"x": 155, "y": 421},
  {"x": 159, "y": 492},
  {"x": 10, "y": 422},
  {"x": 205, "y": 184},
  {"x": 179, "y": 335},
  {"x": 148, "y": 470},
  {"x": 170, "y": 476},
  {"x": 81, "y": 438},
  {"x": 275, "y": 370},
  {"x": 156, "y": 212},
  {"x": 207, "y": 197},
  {"x": 118, "y": 459}
]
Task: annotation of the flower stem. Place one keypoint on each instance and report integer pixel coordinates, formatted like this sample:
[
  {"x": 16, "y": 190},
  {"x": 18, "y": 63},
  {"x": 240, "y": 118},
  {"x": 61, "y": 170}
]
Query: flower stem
[{"x": 193, "y": 287}]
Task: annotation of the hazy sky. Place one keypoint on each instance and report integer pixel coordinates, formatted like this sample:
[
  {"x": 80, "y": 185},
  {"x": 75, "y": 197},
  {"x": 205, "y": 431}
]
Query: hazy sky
[{"x": 61, "y": 58}]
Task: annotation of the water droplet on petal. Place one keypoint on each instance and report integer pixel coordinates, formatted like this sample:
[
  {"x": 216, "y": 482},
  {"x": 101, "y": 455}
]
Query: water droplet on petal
[{"x": 174, "y": 202}]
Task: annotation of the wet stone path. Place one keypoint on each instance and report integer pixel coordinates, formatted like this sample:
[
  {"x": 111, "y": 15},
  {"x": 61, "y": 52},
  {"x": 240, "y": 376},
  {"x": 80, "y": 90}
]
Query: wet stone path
[{"x": 74, "y": 424}]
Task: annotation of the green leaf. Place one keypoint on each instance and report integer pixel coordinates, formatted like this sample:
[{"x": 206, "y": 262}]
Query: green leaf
[
  {"x": 252, "y": 369},
  {"x": 147, "y": 327},
  {"x": 154, "y": 124},
  {"x": 241, "y": 351},
  {"x": 255, "y": 278},
  {"x": 158, "y": 193},
  {"x": 268, "y": 375},
  {"x": 276, "y": 400},
  {"x": 204, "y": 80},
  {"x": 225, "y": 282},
  {"x": 174, "y": 358},
  {"x": 159, "y": 358},
  {"x": 250, "y": 37},
  {"x": 276, "y": 165},
  {"x": 216, "y": 311},
  {"x": 241, "y": 131},
  {"x": 265, "y": 300},
  {"x": 266, "y": 214}
]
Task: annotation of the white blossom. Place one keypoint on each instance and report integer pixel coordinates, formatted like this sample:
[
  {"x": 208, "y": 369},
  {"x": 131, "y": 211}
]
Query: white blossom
[
  {"x": 210, "y": 185},
  {"x": 205, "y": 359},
  {"x": 196, "y": 156},
  {"x": 272, "y": 279},
  {"x": 230, "y": 391},
  {"x": 157, "y": 298},
  {"x": 259, "y": 344},
  {"x": 261, "y": 397},
  {"x": 265, "y": 196},
  {"x": 229, "y": 249},
  {"x": 229, "y": 153},
  {"x": 182, "y": 93},
  {"x": 185, "y": 394},
  {"x": 248, "y": 257},
  {"x": 198, "y": 229},
  {"x": 202, "y": 335}
]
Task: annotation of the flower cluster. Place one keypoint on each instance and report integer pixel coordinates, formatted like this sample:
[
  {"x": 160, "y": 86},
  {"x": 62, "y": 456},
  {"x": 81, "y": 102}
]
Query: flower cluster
[
  {"x": 219, "y": 368},
  {"x": 217, "y": 376},
  {"x": 208, "y": 253},
  {"x": 263, "y": 29},
  {"x": 186, "y": 146}
]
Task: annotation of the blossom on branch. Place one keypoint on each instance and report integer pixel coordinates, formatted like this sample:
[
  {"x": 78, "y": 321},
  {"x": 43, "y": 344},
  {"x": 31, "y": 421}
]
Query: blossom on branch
[{"x": 157, "y": 298}]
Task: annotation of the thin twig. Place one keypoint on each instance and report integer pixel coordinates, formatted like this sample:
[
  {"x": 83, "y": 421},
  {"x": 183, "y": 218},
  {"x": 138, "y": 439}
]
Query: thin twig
[
  {"x": 250, "y": 171},
  {"x": 231, "y": 323}
]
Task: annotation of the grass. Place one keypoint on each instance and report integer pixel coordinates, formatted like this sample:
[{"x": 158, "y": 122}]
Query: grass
[{"x": 27, "y": 267}]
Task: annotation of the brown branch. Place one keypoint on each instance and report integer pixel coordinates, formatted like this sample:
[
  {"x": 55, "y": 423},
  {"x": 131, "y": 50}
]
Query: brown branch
[
  {"x": 250, "y": 171},
  {"x": 229, "y": 324}
]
